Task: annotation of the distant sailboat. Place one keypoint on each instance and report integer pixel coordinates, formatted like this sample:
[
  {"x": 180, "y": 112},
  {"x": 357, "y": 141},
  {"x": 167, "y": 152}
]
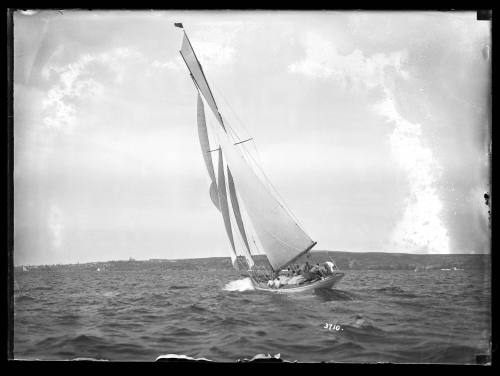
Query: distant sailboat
[{"x": 253, "y": 204}]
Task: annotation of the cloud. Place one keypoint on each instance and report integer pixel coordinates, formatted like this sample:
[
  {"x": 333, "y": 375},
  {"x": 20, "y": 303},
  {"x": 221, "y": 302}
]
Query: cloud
[
  {"x": 215, "y": 43},
  {"x": 354, "y": 70},
  {"x": 171, "y": 65},
  {"x": 421, "y": 228},
  {"x": 214, "y": 54},
  {"x": 76, "y": 82}
]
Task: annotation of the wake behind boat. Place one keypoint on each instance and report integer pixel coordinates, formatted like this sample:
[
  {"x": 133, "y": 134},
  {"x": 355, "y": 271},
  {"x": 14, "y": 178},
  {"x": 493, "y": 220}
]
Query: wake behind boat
[{"x": 265, "y": 224}]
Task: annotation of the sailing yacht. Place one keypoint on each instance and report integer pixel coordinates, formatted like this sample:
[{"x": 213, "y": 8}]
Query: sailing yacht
[{"x": 264, "y": 223}]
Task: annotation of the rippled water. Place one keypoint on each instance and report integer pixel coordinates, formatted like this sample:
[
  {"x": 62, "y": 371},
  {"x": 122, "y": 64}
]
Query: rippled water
[{"x": 140, "y": 310}]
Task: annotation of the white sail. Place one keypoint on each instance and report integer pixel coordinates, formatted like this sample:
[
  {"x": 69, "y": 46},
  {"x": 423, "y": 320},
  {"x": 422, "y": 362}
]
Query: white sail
[
  {"x": 205, "y": 150},
  {"x": 198, "y": 76},
  {"x": 280, "y": 236},
  {"x": 237, "y": 216},
  {"x": 224, "y": 208}
]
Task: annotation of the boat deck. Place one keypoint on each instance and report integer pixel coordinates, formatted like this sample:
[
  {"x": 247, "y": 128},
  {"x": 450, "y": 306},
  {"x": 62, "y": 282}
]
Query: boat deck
[{"x": 323, "y": 283}]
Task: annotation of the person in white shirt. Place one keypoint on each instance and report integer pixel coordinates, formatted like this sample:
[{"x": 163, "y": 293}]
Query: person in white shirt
[
  {"x": 277, "y": 283},
  {"x": 330, "y": 266}
]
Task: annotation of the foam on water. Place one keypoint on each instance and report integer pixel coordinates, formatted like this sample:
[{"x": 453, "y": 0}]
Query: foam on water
[{"x": 244, "y": 284}]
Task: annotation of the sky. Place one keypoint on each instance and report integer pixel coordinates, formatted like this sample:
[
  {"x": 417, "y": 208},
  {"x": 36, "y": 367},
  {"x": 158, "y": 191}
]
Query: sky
[{"x": 374, "y": 127}]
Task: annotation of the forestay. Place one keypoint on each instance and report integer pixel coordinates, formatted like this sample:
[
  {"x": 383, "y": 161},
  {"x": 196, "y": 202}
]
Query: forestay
[{"x": 280, "y": 236}]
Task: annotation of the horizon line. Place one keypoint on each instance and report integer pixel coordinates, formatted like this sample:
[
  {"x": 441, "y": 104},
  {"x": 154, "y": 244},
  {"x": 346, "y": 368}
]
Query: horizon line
[{"x": 206, "y": 257}]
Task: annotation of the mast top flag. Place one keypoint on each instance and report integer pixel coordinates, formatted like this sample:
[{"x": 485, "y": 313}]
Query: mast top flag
[{"x": 280, "y": 236}]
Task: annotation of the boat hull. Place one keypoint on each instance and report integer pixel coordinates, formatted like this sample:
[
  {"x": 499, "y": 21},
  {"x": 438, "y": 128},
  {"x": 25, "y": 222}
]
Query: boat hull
[{"x": 326, "y": 283}]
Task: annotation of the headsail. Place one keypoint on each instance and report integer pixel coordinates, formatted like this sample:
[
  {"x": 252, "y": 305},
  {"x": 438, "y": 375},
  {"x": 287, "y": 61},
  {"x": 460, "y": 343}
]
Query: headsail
[
  {"x": 205, "y": 150},
  {"x": 237, "y": 215},
  {"x": 198, "y": 76},
  {"x": 223, "y": 203},
  {"x": 281, "y": 237}
]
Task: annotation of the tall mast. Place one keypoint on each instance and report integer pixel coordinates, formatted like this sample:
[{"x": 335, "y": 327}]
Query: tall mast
[{"x": 282, "y": 239}]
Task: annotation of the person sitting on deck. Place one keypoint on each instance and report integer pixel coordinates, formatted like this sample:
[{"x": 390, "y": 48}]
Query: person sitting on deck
[
  {"x": 307, "y": 267},
  {"x": 308, "y": 276},
  {"x": 330, "y": 266},
  {"x": 277, "y": 283},
  {"x": 284, "y": 279},
  {"x": 317, "y": 270}
]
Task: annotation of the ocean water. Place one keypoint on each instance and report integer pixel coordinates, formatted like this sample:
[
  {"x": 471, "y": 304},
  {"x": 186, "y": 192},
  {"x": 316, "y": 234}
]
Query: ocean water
[{"x": 137, "y": 311}]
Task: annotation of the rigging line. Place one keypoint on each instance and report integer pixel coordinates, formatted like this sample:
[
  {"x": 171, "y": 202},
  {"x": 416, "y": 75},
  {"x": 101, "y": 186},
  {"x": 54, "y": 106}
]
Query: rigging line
[
  {"x": 256, "y": 163},
  {"x": 231, "y": 108},
  {"x": 280, "y": 200},
  {"x": 234, "y": 135},
  {"x": 240, "y": 142},
  {"x": 245, "y": 128},
  {"x": 224, "y": 119},
  {"x": 273, "y": 190}
]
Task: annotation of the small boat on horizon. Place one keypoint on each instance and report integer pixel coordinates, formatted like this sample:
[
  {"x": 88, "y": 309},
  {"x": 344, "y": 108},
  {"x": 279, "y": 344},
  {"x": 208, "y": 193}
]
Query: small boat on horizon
[{"x": 265, "y": 224}]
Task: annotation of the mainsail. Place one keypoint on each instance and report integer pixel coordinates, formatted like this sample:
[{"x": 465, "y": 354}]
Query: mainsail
[
  {"x": 281, "y": 238},
  {"x": 205, "y": 150}
]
